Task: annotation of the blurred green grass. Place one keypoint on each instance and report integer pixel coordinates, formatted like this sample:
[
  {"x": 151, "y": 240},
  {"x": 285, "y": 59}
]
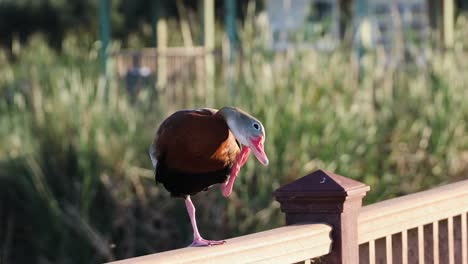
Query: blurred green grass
[{"x": 76, "y": 184}]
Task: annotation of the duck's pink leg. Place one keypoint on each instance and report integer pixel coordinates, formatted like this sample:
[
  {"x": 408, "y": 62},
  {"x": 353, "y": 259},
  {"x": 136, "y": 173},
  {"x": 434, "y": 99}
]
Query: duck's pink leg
[
  {"x": 198, "y": 241},
  {"x": 226, "y": 188}
]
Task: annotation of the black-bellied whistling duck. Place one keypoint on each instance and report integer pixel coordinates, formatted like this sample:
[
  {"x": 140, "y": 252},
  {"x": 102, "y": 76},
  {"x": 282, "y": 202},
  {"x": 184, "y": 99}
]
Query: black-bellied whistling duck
[{"x": 195, "y": 149}]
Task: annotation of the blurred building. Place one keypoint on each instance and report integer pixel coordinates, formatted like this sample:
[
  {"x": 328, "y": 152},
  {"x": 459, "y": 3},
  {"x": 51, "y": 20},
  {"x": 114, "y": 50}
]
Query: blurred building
[
  {"x": 304, "y": 23},
  {"x": 324, "y": 24}
]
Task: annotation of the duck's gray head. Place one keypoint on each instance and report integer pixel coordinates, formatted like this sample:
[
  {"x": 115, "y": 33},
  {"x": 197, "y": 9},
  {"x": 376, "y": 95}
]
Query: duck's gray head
[{"x": 247, "y": 130}]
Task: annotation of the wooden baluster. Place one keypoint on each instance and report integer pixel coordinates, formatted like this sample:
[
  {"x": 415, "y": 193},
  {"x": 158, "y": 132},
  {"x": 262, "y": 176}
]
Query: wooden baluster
[
  {"x": 435, "y": 241},
  {"x": 372, "y": 252},
  {"x": 404, "y": 247},
  {"x": 421, "y": 244},
  {"x": 464, "y": 239},
  {"x": 388, "y": 249},
  {"x": 451, "y": 253}
]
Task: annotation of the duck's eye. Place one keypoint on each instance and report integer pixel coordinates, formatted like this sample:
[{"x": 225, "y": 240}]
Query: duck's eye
[{"x": 256, "y": 126}]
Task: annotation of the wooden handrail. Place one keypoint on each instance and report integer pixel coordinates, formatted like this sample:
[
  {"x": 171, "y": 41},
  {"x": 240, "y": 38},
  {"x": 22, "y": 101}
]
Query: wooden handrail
[
  {"x": 403, "y": 213},
  {"x": 287, "y": 244}
]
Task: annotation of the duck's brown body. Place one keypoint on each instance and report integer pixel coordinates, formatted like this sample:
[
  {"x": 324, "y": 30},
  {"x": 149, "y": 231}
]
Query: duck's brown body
[{"x": 194, "y": 149}]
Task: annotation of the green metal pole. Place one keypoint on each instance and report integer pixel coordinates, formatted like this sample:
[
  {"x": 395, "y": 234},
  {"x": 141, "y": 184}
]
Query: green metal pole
[
  {"x": 201, "y": 19},
  {"x": 230, "y": 28},
  {"x": 104, "y": 32},
  {"x": 155, "y": 9},
  {"x": 230, "y": 25},
  {"x": 360, "y": 10}
]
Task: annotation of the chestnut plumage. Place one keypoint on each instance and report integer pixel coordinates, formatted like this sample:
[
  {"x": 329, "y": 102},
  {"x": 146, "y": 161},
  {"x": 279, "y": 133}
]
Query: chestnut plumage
[{"x": 195, "y": 149}]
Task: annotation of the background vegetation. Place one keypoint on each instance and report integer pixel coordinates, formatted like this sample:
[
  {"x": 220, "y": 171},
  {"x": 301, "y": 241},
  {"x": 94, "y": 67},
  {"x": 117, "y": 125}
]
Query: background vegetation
[
  {"x": 76, "y": 184},
  {"x": 130, "y": 20}
]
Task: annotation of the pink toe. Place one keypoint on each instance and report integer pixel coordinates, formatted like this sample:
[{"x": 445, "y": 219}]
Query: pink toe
[{"x": 204, "y": 243}]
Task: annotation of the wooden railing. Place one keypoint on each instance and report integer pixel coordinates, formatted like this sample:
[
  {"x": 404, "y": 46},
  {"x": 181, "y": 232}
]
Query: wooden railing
[
  {"x": 326, "y": 224},
  {"x": 425, "y": 227},
  {"x": 180, "y": 75},
  {"x": 179, "y": 62}
]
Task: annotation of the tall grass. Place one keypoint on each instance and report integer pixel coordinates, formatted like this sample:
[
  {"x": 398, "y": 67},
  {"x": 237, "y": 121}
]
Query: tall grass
[{"x": 77, "y": 186}]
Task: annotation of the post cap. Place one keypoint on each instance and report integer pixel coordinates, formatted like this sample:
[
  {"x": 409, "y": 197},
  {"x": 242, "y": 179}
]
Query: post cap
[{"x": 320, "y": 186}]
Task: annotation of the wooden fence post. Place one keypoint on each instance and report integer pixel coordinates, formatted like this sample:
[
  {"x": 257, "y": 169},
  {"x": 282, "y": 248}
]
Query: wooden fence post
[
  {"x": 161, "y": 42},
  {"x": 324, "y": 197},
  {"x": 209, "y": 43}
]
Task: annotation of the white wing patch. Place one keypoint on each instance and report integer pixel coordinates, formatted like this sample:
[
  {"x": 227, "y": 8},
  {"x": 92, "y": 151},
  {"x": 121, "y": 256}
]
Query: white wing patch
[{"x": 152, "y": 157}]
